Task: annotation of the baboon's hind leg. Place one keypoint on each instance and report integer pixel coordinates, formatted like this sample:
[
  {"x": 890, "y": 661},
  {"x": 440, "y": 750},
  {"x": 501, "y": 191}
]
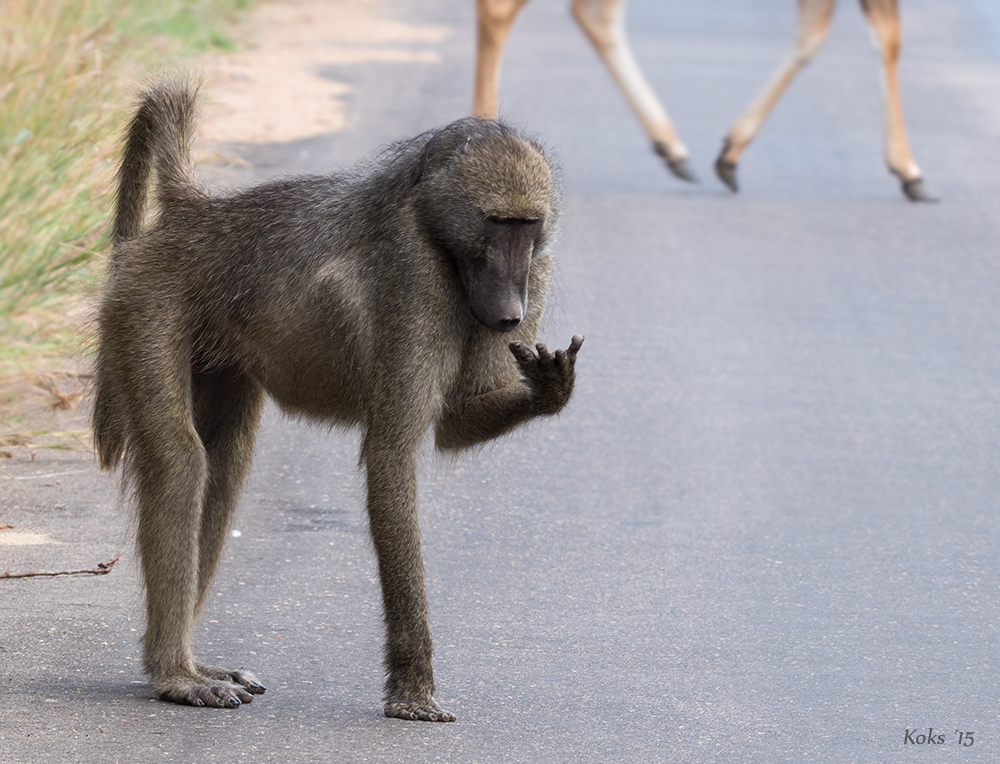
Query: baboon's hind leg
[
  {"x": 167, "y": 462},
  {"x": 227, "y": 407},
  {"x": 184, "y": 428}
]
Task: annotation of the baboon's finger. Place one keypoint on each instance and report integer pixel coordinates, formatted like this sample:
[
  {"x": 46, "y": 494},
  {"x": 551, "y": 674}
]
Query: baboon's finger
[
  {"x": 523, "y": 354},
  {"x": 543, "y": 353},
  {"x": 574, "y": 347}
]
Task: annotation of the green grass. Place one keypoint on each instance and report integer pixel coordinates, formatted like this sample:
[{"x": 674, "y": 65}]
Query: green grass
[
  {"x": 195, "y": 23},
  {"x": 68, "y": 69}
]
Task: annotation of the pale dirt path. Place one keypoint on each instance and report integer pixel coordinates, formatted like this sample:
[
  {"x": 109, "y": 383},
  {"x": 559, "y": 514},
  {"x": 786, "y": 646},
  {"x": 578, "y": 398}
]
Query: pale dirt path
[{"x": 273, "y": 90}]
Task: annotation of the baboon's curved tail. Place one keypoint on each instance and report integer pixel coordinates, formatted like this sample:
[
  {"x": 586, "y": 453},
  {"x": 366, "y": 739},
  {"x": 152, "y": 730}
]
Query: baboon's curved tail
[{"x": 159, "y": 137}]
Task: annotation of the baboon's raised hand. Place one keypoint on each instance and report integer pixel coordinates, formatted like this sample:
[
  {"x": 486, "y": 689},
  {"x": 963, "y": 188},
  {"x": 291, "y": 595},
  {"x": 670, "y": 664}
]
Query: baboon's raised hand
[{"x": 550, "y": 376}]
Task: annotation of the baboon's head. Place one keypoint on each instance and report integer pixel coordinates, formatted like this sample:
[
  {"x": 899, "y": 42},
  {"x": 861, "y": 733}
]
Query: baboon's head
[{"x": 488, "y": 200}]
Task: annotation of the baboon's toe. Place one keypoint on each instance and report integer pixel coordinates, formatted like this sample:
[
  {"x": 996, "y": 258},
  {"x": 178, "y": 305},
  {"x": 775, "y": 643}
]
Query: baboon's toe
[
  {"x": 242, "y": 678},
  {"x": 425, "y": 711},
  {"x": 200, "y": 691}
]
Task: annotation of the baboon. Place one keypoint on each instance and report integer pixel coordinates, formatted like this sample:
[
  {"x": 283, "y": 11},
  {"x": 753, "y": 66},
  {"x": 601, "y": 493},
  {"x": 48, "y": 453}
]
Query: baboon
[{"x": 399, "y": 296}]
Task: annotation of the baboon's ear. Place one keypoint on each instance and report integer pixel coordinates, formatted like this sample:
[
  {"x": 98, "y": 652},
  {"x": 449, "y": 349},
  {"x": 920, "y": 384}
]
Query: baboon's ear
[
  {"x": 418, "y": 169},
  {"x": 433, "y": 146}
]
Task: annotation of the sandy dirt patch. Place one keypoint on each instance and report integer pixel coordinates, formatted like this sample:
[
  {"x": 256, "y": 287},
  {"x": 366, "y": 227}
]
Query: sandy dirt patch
[
  {"x": 274, "y": 89},
  {"x": 23, "y": 538}
]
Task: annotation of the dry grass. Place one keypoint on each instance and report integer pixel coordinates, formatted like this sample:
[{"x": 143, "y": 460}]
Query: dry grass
[{"x": 67, "y": 69}]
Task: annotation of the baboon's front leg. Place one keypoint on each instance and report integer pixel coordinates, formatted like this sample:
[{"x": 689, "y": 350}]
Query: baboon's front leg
[
  {"x": 545, "y": 389},
  {"x": 390, "y": 458}
]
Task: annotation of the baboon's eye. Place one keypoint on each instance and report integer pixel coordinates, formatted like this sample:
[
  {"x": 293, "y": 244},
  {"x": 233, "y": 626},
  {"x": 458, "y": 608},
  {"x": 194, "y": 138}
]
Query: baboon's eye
[{"x": 497, "y": 220}]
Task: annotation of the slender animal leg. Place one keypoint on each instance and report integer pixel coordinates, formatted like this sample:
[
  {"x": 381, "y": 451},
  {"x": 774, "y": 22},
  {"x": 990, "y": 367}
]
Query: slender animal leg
[
  {"x": 814, "y": 23},
  {"x": 390, "y": 458},
  {"x": 494, "y": 19},
  {"x": 603, "y": 23},
  {"x": 883, "y": 19},
  {"x": 168, "y": 464},
  {"x": 227, "y": 408}
]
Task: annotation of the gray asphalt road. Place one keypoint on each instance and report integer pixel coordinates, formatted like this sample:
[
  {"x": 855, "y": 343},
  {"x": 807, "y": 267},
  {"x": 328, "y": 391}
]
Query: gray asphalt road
[{"x": 765, "y": 529}]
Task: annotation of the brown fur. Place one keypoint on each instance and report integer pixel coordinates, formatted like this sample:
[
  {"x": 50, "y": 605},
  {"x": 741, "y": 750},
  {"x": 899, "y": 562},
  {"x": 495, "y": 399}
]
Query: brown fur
[{"x": 396, "y": 298}]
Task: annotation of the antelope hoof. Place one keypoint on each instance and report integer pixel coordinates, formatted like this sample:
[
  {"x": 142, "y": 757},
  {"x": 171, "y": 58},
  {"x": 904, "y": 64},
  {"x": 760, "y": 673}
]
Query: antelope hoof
[
  {"x": 726, "y": 171},
  {"x": 915, "y": 191},
  {"x": 679, "y": 167}
]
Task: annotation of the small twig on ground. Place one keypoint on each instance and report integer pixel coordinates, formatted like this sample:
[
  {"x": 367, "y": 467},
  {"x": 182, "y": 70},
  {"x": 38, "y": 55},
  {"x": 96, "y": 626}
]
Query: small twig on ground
[
  {"x": 60, "y": 400},
  {"x": 101, "y": 569},
  {"x": 14, "y": 478}
]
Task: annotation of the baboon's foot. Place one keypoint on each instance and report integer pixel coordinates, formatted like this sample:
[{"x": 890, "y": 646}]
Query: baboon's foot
[
  {"x": 679, "y": 166},
  {"x": 425, "y": 710},
  {"x": 244, "y": 679},
  {"x": 188, "y": 688},
  {"x": 915, "y": 191}
]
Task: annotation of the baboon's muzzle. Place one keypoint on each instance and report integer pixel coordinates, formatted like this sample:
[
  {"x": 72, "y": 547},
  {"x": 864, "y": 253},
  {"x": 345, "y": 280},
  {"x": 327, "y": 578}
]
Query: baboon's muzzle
[{"x": 497, "y": 285}]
